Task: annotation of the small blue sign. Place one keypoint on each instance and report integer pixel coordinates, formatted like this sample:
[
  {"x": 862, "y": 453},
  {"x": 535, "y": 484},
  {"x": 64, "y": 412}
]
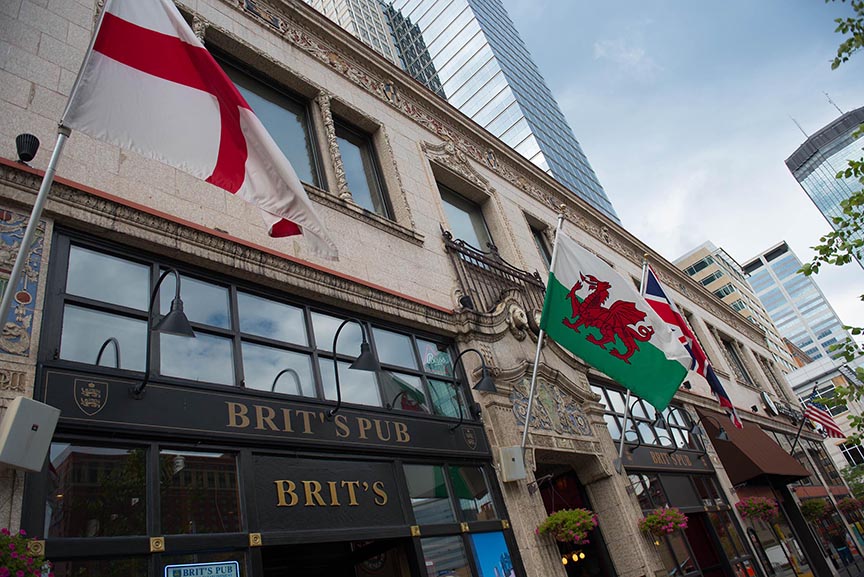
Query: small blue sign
[{"x": 220, "y": 569}]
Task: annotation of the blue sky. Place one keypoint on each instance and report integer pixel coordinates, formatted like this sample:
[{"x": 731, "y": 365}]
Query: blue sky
[{"x": 683, "y": 108}]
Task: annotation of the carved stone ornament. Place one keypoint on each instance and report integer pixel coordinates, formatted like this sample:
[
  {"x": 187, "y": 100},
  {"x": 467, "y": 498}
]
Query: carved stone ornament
[
  {"x": 17, "y": 327},
  {"x": 517, "y": 320},
  {"x": 449, "y": 155},
  {"x": 323, "y": 101},
  {"x": 552, "y": 410},
  {"x": 199, "y": 27}
]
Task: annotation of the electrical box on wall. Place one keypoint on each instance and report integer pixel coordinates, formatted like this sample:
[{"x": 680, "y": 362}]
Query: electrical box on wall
[
  {"x": 25, "y": 433},
  {"x": 511, "y": 464}
]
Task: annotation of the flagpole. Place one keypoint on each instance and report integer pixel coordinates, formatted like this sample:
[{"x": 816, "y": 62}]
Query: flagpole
[
  {"x": 26, "y": 242},
  {"x": 803, "y": 420},
  {"x": 540, "y": 336}
]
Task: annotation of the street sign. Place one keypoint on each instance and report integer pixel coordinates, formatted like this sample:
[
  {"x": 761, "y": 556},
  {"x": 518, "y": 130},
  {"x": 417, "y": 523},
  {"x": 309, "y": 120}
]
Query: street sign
[{"x": 220, "y": 569}]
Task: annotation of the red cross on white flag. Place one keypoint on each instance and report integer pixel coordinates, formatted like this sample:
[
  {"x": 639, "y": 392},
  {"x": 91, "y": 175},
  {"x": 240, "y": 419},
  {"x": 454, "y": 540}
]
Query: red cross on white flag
[{"x": 148, "y": 84}]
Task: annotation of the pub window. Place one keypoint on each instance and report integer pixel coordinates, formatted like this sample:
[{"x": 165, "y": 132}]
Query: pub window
[
  {"x": 736, "y": 361},
  {"x": 465, "y": 219},
  {"x": 95, "y": 491},
  {"x": 206, "y": 508},
  {"x": 542, "y": 245},
  {"x": 362, "y": 171},
  {"x": 430, "y": 497},
  {"x": 472, "y": 493},
  {"x": 286, "y": 118}
]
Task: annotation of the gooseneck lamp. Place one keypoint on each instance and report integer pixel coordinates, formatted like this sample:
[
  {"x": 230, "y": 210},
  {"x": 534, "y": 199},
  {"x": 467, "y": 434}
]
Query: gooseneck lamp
[
  {"x": 365, "y": 362},
  {"x": 173, "y": 323},
  {"x": 485, "y": 383}
]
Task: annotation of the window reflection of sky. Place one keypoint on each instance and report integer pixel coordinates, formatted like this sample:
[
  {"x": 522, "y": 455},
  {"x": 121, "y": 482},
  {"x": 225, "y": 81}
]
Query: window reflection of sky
[
  {"x": 202, "y": 302},
  {"x": 356, "y": 386},
  {"x": 270, "y": 319},
  {"x": 262, "y": 364},
  {"x": 491, "y": 555},
  {"x": 205, "y": 358},
  {"x": 325, "y": 328},
  {"x": 394, "y": 349},
  {"x": 106, "y": 278},
  {"x": 85, "y": 330}
]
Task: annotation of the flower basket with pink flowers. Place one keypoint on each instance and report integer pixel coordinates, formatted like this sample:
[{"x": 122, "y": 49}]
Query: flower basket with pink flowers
[
  {"x": 569, "y": 525},
  {"x": 663, "y": 521},
  {"x": 759, "y": 508},
  {"x": 850, "y": 505},
  {"x": 21, "y": 556}
]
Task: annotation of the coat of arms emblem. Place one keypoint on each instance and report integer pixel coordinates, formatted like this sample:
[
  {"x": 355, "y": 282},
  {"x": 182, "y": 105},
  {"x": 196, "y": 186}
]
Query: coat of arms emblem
[{"x": 90, "y": 396}]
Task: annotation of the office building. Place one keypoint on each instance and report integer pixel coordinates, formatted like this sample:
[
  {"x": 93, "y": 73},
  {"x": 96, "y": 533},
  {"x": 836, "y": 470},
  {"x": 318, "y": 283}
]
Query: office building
[
  {"x": 265, "y": 435},
  {"x": 721, "y": 274},
  {"x": 469, "y": 52},
  {"x": 795, "y": 302},
  {"x": 816, "y": 163}
]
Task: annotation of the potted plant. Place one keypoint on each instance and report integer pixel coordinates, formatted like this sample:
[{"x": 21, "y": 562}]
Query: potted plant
[
  {"x": 21, "y": 556},
  {"x": 814, "y": 509},
  {"x": 761, "y": 508},
  {"x": 850, "y": 505},
  {"x": 569, "y": 525},
  {"x": 663, "y": 521}
]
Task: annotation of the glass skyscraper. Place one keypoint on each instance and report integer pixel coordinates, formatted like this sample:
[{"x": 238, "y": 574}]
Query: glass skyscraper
[
  {"x": 794, "y": 302},
  {"x": 818, "y": 160},
  {"x": 469, "y": 52}
]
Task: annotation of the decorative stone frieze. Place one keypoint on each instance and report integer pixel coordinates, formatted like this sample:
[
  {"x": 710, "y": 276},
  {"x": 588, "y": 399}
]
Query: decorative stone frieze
[{"x": 18, "y": 325}]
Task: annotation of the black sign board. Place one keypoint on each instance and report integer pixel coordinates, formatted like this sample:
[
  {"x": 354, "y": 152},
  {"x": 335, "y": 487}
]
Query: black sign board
[
  {"x": 106, "y": 403},
  {"x": 311, "y": 494},
  {"x": 659, "y": 459}
]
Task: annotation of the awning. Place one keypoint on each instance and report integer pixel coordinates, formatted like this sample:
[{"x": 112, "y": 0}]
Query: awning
[
  {"x": 750, "y": 453},
  {"x": 814, "y": 492}
]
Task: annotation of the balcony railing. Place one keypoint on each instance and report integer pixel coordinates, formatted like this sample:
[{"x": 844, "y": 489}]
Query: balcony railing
[{"x": 486, "y": 278}]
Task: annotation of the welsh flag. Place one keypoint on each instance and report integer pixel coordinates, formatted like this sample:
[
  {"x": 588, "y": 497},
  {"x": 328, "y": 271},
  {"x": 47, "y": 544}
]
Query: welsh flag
[
  {"x": 148, "y": 85},
  {"x": 600, "y": 317}
]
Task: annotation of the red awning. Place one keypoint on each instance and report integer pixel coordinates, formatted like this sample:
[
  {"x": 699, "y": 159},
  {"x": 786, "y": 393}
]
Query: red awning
[{"x": 750, "y": 453}]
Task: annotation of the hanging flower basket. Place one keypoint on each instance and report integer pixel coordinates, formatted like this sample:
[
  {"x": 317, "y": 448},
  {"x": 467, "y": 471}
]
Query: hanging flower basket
[
  {"x": 814, "y": 509},
  {"x": 761, "y": 508},
  {"x": 663, "y": 521},
  {"x": 850, "y": 505},
  {"x": 569, "y": 525},
  {"x": 21, "y": 556}
]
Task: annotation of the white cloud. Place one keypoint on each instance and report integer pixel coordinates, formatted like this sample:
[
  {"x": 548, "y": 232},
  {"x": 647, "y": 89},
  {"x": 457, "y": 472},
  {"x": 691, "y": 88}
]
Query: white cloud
[{"x": 631, "y": 59}]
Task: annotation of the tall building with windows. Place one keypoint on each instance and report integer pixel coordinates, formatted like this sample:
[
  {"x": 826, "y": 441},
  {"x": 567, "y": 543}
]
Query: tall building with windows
[
  {"x": 794, "y": 302},
  {"x": 469, "y": 52},
  {"x": 717, "y": 271},
  {"x": 364, "y": 19},
  {"x": 816, "y": 163}
]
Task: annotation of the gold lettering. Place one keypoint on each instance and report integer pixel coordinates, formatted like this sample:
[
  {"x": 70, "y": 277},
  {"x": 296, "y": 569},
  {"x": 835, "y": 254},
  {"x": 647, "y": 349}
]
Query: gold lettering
[
  {"x": 352, "y": 486},
  {"x": 364, "y": 424},
  {"x": 342, "y": 430},
  {"x": 237, "y": 415},
  {"x": 283, "y": 488},
  {"x": 401, "y": 430},
  {"x": 264, "y": 415},
  {"x": 334, "y": 498},
  {"x": 313, "y": 492},
  {"x": 286, "y": 418},
  {"x": 378, "y": 430},
  {"x": 380, "y": 493},
  {"x": 307, "y": 426}
]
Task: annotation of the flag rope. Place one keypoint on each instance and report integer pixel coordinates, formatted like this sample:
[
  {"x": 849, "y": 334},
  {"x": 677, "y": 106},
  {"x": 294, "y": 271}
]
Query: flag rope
[{"x": 540, "y": 336}]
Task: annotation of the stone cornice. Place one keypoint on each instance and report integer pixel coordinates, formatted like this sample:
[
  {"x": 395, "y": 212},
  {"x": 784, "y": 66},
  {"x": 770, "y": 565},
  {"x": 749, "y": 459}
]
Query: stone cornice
[{"x": 76, "y": 205}]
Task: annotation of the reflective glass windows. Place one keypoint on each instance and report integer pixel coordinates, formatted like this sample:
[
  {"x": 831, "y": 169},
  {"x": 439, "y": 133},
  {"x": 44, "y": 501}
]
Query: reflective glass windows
[
  {"x": 361, "y": 169},
  {"x": 445, "y": 556},
  {"x": 96, "y": 491},
  {"x": 199, "y": 492},
  {"x": 287, "y": 120},
  {"x": 430, "y": 497},
  {"x": 465, "y": 219},
  {"x": 472, "y": 493}
]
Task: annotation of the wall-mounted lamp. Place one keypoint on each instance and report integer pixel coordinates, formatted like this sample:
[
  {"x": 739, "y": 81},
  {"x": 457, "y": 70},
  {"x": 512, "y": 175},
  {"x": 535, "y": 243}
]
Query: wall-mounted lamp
[
  {"x": 485, "y": 383},
  {"x": 687, "y": 385},
  {"x": 365, "y": 362},
  {"x": 294, "y": 374},
  {"x": 27, "y": 146},
  {"x": 754, "y": 408},
  {"x": 697, "y": 430},
  {"x": 466, "y": 302},
  {"x": 534, "y": 485},
  {"x": 109, "y": 341},
  {"x": 173, "y": 323}
]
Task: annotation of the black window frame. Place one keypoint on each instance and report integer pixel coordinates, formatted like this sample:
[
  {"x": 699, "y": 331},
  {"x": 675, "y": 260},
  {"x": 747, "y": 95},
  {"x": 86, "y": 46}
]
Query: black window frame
[{"x": 57, "y": 299}]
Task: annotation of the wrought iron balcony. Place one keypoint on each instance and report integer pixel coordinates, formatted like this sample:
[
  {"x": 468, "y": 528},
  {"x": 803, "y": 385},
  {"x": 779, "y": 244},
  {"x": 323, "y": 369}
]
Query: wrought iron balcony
[{"x": 486, "y": 278}]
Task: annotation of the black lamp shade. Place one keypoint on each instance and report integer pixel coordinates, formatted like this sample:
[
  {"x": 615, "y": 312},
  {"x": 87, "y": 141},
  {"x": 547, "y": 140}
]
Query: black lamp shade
[
  {"x": 486, "y": 384},
  {"x": 26, "y": 145},
  {"x": 722, "y": 436},
  {"x": 175, "y": 322},
  {"x": 366, "y": 361}
]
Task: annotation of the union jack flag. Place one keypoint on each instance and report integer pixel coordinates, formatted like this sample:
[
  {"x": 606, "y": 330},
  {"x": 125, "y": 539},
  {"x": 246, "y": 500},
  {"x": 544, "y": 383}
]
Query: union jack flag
[
  {"x": 656, "y": 297},
  {"x": 820, "y": 415}
]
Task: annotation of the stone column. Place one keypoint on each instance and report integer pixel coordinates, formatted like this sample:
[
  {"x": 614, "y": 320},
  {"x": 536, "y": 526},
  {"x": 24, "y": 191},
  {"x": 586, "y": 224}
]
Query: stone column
[{"x": 323, "y": 101}]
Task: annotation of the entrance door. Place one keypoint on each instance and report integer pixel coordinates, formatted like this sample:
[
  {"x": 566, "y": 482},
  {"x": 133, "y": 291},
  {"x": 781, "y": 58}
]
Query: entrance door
[
  {"x": 381, "y": 558},
  {"x": 703, "y": 547}
]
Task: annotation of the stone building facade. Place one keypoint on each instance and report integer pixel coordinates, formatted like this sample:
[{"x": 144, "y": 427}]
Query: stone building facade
[{"x": 225, "y": 458}]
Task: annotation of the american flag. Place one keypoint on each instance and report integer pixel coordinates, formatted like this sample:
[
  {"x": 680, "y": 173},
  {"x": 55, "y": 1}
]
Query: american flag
[{"x": 819, "y": 414}]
